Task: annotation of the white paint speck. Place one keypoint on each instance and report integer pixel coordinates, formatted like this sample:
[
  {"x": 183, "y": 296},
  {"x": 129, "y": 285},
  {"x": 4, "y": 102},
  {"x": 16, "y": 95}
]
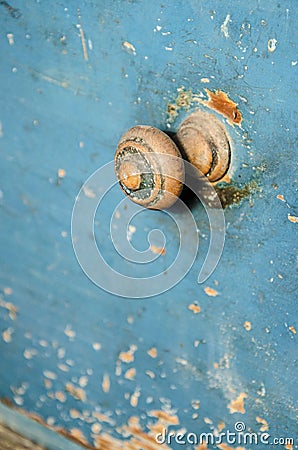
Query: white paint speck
[
  {"x": 294, "y": 63},
  {"x": 10, "y": 38},
  {"x": 169, "y": 49},
  {"x": 224, "y": 27},
  {"x": 272, "y": 43},
  {"x": 90, "y": 44}
]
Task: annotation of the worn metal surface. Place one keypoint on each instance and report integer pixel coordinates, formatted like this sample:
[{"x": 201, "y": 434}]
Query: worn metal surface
[{"x": 74, "y": 78}]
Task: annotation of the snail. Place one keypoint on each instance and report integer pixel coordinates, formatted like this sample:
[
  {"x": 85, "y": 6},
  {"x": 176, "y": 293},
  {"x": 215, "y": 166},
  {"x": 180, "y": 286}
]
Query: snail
[
  {"x": 203, "y": 140},
  {"x": 149, "y": 167}
]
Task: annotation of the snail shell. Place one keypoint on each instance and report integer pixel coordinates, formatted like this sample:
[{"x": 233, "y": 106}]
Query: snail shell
[
  {"x": 203, "y": 140},
  {"x": 144, "y": 172}
]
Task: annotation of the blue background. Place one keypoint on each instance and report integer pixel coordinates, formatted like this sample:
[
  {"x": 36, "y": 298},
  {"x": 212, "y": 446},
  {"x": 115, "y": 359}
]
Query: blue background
[{"x": 53, "y": 99}]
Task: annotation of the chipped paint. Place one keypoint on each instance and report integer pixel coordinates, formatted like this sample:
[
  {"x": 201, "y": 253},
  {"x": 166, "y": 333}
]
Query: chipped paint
[
  {"x": 237, "y": 405},
  {"x": 7, "y": 335},
  {"x": 10, "y": 38},
  {"x": 158, "y": 250},
  {"x": 130, "y": 374},
  {"x": 221, "y": 103},
  {"x": 228, "y": 447},
  {"x": 61, "y": 173},
  {"x": 280, "y": 197},
  {"x": 111, "y": 327},
  {"x": 247, "y": 325},
  {"x": 82, "y": 35},
  {"x": 194, "y": 308},
  {"x": 272, "y": 43},
  {"x": 264, "y": 424},
  {"x": 224, "y": 27},
  {"x": 76, "y": 392},
  {"x": 10, "y": 307},
  {"x": 106, "y": 383},
  {"x": 210, "y": 291},
  {"x": 129, "y": 48},
  {"x": 134, "y": 399},
  {"x": 128, "y": 357},
  {"x": 152, "y": 352}
]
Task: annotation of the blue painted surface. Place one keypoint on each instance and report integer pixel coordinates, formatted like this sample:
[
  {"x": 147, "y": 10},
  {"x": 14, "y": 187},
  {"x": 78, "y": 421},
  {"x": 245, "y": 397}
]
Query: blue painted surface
[{"x": 60, "y": 111}]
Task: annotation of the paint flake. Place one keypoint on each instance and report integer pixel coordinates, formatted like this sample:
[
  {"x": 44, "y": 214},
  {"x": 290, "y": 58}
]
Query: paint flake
[
  {"x": 76, "y": 392},
  {"x": 130, "y": 374},
  {"x": 237, "y": 405},
  {"x": 106, "y": 383},
  {"x": 128, "y": 356},
  {"x": 152, "y": 352},
  {"x": 10, "y": 307},
  {"x": 7, "y": 335},
  {"x": 264, "y": 423},
  {"x": 272, "y": 43},
  {"x": 194, "y": 308},
  {"x": 158, "y": 250},
  {"x": 134, "y": 399},
  {"x": 130, "y": 48},
  {"x": 247, "y": 325},
  {"x": 50, "y": 375},
  {"x": 224, "y": 27},
  {"x": 210, "y": 291}
]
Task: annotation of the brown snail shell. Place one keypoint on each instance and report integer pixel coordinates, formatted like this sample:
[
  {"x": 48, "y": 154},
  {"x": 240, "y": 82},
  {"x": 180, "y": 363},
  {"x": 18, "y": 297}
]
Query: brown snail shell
[
  {"x": 203, "y": 140},
  {"x": 144, "y": 172}
]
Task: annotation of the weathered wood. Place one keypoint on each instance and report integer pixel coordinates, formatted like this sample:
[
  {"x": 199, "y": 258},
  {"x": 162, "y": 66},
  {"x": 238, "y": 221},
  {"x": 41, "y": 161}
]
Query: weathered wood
[{"x": 9, "y": 440}]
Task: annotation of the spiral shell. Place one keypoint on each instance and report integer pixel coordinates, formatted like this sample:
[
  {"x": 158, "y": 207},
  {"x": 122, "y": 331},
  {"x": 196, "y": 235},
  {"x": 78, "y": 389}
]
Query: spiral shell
[
  {"x": 203, "y": 140},
  {"x": 143, "y": 170}
]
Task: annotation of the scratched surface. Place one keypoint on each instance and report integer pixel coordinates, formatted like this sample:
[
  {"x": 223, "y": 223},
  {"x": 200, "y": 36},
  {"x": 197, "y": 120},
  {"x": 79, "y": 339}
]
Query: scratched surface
[{"x": 105, "y": 368}]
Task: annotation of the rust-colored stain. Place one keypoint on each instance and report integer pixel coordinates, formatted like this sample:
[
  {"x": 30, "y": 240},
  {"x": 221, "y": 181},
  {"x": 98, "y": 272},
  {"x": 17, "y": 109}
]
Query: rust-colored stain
[
  {"x": 220, "y": 102},
  {"x": 292, "y": 219},
  {"x": 210, "y": 291},
  {"x": 280, "y": 197},
  {"x": 237, "y": 405},
  {"x": 264, "y": 423},
  {"x": 292, "y": 329},
  {"x": 230, "y": 195}
]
